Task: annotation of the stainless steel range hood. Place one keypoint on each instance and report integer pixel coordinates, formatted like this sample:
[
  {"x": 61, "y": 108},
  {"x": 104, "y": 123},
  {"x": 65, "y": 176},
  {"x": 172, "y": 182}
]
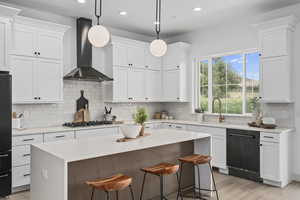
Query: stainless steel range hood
[{"x": 84, "y": 70}]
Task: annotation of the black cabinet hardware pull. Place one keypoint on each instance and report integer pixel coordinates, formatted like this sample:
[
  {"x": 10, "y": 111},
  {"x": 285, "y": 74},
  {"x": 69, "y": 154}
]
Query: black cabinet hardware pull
[
  {"x": 60, "y": 136},
  {"x": 26, "y": 175},
  {"x": 4, "y": 155},
  {"x": 27, "y": 140},
  {"x": 4, "y": 176},
  {"x": 26, "y": 155},
  {"x": 178, "y": 127}
]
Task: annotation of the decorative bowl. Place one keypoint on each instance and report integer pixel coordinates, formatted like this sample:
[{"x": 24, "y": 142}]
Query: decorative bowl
[{"x": 131, "y": 131}]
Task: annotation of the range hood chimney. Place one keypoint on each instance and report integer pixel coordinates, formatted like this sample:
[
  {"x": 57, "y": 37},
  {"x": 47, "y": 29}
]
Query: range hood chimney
[{"x": 84, "y": 70}]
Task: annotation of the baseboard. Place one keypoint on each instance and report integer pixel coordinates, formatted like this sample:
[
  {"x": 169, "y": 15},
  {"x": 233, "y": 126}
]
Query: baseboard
[{"x": 296, "y": 177}]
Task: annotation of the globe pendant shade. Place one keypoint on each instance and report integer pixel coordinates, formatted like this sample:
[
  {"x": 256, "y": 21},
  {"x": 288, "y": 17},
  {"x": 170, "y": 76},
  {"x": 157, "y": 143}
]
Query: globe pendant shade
[
  {"x": 98, "y": 36},
  {"x": 158, "y": 47}
]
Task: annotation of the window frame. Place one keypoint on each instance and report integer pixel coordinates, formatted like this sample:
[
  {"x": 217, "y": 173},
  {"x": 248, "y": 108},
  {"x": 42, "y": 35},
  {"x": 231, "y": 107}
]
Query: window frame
[{"x": 209, "y": 59}]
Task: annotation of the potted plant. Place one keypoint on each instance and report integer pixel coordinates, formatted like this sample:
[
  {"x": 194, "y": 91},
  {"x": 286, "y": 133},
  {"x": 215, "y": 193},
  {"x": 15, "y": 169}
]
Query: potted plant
[{"x": 140, "y": 117}]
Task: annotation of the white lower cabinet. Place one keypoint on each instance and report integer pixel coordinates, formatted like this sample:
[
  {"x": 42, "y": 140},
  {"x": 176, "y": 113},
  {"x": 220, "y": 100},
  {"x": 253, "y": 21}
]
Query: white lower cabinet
[
  {"x": 53, "y": 137},
  {"x": 20, "y": 176},
  {"x": 269, "y": 162},
  {"x": 20, "y": 155},
  {"x": 219, "y": 156}
]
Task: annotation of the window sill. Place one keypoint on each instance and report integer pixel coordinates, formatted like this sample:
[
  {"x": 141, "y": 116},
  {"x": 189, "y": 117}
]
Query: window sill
[{"x": 226, "y": 114}]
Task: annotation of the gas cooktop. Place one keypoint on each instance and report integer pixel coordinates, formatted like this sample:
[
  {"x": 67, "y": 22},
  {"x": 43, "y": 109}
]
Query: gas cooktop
[{"x": 84, "y": 124}]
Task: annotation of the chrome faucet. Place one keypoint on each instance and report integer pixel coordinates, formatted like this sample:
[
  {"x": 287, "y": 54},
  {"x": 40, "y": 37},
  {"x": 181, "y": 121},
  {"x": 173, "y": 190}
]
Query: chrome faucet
[{"x": 221, "y": 117}]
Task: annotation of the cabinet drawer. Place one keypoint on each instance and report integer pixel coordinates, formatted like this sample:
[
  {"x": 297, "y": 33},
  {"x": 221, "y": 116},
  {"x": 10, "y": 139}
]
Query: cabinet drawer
[
  {"x": 26, "y": 140},
  {"x": 208, "y": 130},
  {"x": 52, "y": 137},
  {"x": 20, "y": 155},
  {"x": 96, "y": 132},
  {"x": 269, "y": 137},
  {"x": 21, "y": 176},
  {"x": 175, "y": 126}
]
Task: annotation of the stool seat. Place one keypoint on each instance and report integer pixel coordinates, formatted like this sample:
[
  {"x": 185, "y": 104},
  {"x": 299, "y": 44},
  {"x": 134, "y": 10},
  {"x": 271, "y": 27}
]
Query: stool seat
[
  {"x": 162, "y": 169},
  {"x": 196, "y": 159},
  {"x": 113, "y": 183}
]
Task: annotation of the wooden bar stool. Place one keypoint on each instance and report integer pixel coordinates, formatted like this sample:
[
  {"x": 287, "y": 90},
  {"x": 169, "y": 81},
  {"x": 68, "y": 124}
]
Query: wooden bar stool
[
  {"x": 196, "y": 160},
  {"x": 114, "y": 183},
  {"x": 160, "y": 170}
]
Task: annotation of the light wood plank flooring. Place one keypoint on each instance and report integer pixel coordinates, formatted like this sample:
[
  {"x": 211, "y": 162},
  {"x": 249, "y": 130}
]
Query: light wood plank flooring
[{"x": 232, "y": 188}]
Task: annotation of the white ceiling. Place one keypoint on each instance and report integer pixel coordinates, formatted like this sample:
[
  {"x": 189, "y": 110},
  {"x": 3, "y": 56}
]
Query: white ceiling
[{"x": 177, "y": 15}]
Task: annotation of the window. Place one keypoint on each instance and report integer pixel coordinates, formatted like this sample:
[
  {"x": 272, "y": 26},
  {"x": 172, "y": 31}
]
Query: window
[{"x": 233, "y": 78}]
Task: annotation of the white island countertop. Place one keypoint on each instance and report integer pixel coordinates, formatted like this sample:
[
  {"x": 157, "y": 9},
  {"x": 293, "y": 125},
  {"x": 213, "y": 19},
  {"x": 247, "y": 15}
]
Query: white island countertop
[{"x": 76, "y": 150}]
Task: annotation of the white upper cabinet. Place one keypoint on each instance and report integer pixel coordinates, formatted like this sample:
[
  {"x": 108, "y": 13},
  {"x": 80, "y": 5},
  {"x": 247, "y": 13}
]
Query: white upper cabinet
[
  {"x": 36, "y": 61},
  {"x": 275, "y": 40},
  {"x": 175, "y": 72},
  {"x": 50, "y": 46},
  {"x": 48, "y": 81},
  {"x": 154, "y": 85},
  {"x": 141, "y": 77},
  {"x": 128, "y": 53},
  {"x": 22, "y": 70},
  {"x": 171, "y": 83},
  {"x": 137, "y": 84},
  {"x": 120, "y": 84},
  {"x": 151, "y": 61},
  {"x": 136, "y": 56}
]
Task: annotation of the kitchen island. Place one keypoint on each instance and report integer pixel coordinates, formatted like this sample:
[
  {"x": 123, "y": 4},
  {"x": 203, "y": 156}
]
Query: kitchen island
[{"x": 59, "y": 170}]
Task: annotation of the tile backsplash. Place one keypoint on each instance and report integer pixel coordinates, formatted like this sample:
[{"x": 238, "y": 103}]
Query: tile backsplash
[{"x": 44, "y": 115}]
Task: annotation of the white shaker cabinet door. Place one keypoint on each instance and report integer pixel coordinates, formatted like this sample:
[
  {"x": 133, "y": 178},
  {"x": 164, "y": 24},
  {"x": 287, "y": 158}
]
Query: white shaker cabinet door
[
  {"x": 49, "y": 77},
  {"x": 154, "y": 85},
  {"x": 269, "y": 161},
  {"x": 120, "y": 84},
  {"x": 24, "y": 41},
  {"x": 137, "y": 84},
  {"x": 219, "y": 151},
  {"x": 171, "y": 85},
  {"x": 50, "y": 46},
  {"x": 22, "y": 69},
  {"x": 120, "y": 55},
  {"x": 151, "y": 61},
  {"x": 136, "y": 56},
  {"x": 276, "y": 85}
]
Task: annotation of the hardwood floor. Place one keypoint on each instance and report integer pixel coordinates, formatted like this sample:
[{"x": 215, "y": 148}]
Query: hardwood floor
[{"x": 232, "y": 188}]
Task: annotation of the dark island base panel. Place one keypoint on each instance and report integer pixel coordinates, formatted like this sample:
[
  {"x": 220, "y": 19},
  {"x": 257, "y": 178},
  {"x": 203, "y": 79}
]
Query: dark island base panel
[{"x": 130, "y": 163}]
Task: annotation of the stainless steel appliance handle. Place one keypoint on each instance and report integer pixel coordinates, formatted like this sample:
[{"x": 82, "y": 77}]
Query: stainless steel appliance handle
[
  {"x": 4, "y": 155},
  {"x": 4, "y": 176},
  {"x": 241, "y": 135}
]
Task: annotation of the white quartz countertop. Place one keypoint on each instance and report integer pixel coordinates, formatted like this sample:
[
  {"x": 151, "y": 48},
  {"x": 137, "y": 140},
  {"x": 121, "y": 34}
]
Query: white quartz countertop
[
  {"x": 30, "y": 131},
  {"x": 76, "y": 150}
]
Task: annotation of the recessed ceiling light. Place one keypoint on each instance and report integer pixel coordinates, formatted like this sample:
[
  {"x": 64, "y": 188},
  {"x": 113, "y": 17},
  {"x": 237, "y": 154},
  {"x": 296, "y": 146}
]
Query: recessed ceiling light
[
  {"x": 123, "y": 13},
  {"x": 197, "y": 9},
  {"x": 81, "y": 1}
]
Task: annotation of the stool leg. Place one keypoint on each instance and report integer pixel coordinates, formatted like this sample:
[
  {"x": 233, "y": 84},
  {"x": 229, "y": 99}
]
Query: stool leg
[
  {"x": 161, "y": 187},
  {"x": 142, "y": 191},
  {"x": 131, "y": 191},
  {"x": 213, "y": 178},
  {"x": 117, "y": 195},
  {"x": 199, "y": 183},
  {"x": 179, "y": 182},
  {"x": 107, "y": 195},
  {"x": 93, "y": 191}
]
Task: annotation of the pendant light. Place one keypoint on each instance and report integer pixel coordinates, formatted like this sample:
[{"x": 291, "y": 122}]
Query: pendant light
[
  {"x": 158, "y": 47},
  {"x": 98, "y": 35}
]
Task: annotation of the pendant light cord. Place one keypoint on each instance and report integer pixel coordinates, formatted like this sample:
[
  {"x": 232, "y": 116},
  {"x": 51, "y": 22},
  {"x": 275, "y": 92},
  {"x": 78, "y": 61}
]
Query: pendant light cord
[
  {"x": 98, "y": 15},
  {"x": 158, "y": 18}
]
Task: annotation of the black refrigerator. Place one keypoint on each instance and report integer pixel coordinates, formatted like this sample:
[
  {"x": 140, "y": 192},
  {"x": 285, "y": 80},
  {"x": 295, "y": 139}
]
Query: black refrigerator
[{"x": 5, "y": 133}]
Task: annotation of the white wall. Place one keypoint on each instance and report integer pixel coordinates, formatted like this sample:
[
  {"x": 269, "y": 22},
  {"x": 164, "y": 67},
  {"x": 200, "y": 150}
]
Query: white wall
[{"x": 242, "y": 35}]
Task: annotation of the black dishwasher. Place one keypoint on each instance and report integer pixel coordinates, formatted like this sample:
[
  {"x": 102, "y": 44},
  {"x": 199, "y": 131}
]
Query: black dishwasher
[{"x": 243, "y": 154}]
